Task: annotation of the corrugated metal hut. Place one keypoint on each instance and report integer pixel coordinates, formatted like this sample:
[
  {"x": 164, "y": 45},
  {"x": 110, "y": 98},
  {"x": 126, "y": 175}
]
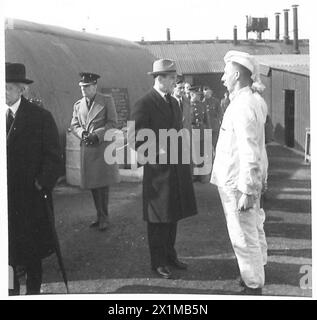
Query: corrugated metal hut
[
  {"x": 201, "y": 61},
  {"x": 54, "y": 56},
  {"x": 287, "y": 94}
]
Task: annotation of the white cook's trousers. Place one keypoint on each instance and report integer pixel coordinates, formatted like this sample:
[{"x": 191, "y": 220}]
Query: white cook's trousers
[{"x": 247, "y": 236}]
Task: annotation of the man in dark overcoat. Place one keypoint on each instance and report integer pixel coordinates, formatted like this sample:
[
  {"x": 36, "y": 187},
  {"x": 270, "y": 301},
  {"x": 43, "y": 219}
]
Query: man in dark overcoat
[
  {"x": 168, "y": 194},
  {"x": 34, "y": 163},
  {"x": 93, "y": 115}
]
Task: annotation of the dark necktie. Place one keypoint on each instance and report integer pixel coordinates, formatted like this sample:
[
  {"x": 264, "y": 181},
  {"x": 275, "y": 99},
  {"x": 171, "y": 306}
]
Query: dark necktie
[
  {"x": 181, "y": 105},
  {"x": 168, "y": 99},
  {"x": 89, "y": 103},
  {"x": 10, "y": 119}
]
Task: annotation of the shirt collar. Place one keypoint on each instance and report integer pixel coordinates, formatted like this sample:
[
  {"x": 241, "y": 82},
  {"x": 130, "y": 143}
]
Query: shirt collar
[
  {"x": 14, "y": 108},
  {"x": 90, "y": 101},
  {"x": 178, "y": 99},
  {"x": 162, "y": 94},
  {"x": 235, "y": 93}
]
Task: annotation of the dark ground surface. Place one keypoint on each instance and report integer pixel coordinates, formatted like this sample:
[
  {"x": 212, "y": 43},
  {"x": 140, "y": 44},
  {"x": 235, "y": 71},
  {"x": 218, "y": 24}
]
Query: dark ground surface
[{"x": 117, "y": 260}]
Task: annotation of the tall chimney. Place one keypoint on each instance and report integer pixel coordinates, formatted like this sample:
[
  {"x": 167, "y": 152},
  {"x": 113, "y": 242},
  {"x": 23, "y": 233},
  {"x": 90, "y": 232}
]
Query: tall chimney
[
  {"x": 168, "y": 34},
  {"x": 295, "y": 26},
  {"x": 277, "y": 26},
  {"x": 286, "y": 36},
  {"x": 235, "y": 35}
]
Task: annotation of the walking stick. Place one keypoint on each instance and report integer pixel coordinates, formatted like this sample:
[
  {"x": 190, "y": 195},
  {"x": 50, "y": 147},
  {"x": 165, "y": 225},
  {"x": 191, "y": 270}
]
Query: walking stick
[{"x": 56, "y": 241}]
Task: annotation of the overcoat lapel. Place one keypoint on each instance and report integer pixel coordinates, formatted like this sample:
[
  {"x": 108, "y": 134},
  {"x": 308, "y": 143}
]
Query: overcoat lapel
[
  {"x": 19, "y": 122},
  {"x": 83, "y": 111},
  {"x": 162, "y": 106},
  {"x": 86, "y": 116},
  {"x": 93, "y": 112},
  {"x": 177, "y": 115}
]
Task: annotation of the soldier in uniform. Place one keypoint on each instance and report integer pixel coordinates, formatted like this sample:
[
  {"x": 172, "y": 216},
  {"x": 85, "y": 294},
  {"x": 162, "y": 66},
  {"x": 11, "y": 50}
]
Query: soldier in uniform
[
  {"x": 199, "y": 121},
  {"x": 187, "y": 86},
  {"x": 93, "y": 115},
  {"x": 224, "y": 103},
  {"x": 213, "y": 113}
]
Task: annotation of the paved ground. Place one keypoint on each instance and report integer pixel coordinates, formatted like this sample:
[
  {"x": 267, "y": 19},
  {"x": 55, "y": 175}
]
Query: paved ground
[{"x": 117, "y": 261}]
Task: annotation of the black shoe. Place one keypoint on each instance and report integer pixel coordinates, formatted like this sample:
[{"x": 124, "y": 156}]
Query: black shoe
[
  {"x": 241, "y": 282},
  {"x": 103, "y": 226},
  {"x": 251, "y": 291},
  {"x": 94, "y": 224},
  {"x": 195, "y": 179},
  {"x": 163, "y": 272},
  {"x": 177, "y": 264}
]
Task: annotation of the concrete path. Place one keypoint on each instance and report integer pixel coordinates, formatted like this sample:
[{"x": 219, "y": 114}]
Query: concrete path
[{"x": 117, "y": 261}]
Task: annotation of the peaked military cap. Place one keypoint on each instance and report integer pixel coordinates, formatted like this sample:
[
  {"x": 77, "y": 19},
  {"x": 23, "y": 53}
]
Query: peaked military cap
[
  {"x": 88, "y": 78},
  {"x": 196, "y": 89},
  {"x": 179, "y": 79}
]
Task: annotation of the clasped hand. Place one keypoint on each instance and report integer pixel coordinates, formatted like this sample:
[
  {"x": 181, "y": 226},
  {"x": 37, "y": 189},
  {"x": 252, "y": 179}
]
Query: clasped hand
[{"x": 89, "y": 138}]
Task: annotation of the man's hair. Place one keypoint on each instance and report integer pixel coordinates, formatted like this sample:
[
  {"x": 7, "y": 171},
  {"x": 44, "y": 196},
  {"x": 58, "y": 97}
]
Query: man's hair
[{"x": 245, "y": 73}]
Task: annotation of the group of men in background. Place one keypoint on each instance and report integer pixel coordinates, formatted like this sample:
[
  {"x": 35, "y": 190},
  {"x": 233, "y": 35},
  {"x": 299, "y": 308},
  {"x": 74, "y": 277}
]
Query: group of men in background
[{"x": 200, "y": 110}]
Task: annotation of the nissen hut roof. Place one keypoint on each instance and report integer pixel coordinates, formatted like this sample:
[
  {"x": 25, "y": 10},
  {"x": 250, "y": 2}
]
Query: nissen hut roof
[{"x": 54, "y": 56}]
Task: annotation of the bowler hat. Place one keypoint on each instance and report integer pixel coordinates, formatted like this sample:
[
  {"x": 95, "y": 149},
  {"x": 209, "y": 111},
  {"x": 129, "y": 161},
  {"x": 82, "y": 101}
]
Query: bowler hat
[
  {"x": 163, "y": 66},
  {"x": 15, "y": 72},
  {"x": 88, "y": 78}
]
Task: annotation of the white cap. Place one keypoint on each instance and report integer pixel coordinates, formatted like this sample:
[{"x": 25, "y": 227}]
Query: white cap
[
  {"x": 249, "y": 62},
  {"x": 240, "y": 57}
]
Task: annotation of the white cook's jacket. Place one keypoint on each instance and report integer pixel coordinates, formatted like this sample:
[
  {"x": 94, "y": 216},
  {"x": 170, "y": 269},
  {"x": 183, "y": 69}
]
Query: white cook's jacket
[
  {"x": 264, "y": 158},
  {"x": 240, "y": 149}
]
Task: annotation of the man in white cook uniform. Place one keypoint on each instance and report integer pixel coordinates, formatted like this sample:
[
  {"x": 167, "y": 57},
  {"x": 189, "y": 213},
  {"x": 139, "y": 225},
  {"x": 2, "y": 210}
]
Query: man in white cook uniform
[{"x": 239, "y": 169}]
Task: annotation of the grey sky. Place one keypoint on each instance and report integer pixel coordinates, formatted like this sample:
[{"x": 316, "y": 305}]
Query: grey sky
[{"x": 187, "y": 19}]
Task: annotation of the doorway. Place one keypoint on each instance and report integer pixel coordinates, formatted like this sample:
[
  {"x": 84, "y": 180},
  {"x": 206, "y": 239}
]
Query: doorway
[{"x": 290, "y": 118}]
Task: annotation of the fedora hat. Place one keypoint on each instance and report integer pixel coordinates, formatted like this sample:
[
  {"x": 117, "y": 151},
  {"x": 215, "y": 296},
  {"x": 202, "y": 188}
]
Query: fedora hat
[
  {"x": 163, "y": 66},
  {"x": 15, "y": 72}
]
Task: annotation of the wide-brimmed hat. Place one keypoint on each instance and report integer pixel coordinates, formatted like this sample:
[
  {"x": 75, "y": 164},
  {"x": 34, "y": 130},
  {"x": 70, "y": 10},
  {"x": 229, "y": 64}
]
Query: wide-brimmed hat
[
  {"x": 15, "y": 72},
  {"x": 163, "y": 66},
  {"x": 88, "y": 78}
]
